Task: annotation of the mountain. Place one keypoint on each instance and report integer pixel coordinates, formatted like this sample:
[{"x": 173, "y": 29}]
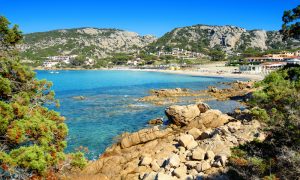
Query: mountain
[
  {"x": 90, "y": 42},
  {"x": 100, "y": 43},
  {"x": 200, "y": 38}
]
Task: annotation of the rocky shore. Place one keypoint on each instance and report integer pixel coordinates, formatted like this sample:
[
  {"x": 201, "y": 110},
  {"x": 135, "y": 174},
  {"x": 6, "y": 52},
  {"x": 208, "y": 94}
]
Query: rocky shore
[{"x": 195, "y": 145}]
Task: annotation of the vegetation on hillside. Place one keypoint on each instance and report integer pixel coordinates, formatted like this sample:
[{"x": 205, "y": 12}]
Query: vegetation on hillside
[
  {"x": 277, "y": 105},
  {"x": 32, "y": 136}
]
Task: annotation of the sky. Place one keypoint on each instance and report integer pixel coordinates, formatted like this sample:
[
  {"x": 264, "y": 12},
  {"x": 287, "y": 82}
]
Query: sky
[{"x": 154, "y": 17}]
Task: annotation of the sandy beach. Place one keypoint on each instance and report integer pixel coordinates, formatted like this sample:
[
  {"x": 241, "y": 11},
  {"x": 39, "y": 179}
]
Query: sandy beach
[
  {"x": 217, "y": 69},
  {"x": 210, "y": 70}
]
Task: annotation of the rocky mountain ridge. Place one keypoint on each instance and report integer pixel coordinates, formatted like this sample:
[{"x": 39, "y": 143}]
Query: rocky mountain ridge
[
  {"x": 200, "y": 38},
  {"x": 90, "y": 42},
  {"x": 100, "y": 43}
]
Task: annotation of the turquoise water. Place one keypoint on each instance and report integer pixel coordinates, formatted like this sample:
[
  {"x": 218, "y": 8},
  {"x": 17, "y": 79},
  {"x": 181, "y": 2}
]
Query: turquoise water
[{"x": 110, "y": 107}]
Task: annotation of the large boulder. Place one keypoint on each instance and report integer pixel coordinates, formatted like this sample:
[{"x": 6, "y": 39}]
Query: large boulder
[
  {"x": 143, "y": 136},
  {"x": 183, "y": 115},
  {"x": 210, "y": 119}
]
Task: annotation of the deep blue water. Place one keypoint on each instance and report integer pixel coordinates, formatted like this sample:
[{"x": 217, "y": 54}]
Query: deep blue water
[{"x": 110, "y": 107}]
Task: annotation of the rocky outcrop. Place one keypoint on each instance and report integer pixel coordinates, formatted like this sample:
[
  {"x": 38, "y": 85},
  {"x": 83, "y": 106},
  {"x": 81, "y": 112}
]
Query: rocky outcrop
[
  {"x": 238, "y": 91},
  {"x": 168, "y": 96},
  {"x": 195, "y": 151},
  {"x": 183, "y": 115}
]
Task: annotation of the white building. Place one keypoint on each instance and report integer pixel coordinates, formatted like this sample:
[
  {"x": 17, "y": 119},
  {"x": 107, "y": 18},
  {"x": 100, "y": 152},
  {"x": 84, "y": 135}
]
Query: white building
[
  {"x": 293, "y": 61},
  {"x": 264, "y": 68},
  {"x": 50, "y": 63}
]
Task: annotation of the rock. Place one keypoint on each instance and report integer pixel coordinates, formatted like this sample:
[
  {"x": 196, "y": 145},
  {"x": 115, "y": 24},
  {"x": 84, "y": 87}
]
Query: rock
[
  {"x": 210, "y": 155},
  {"x": 198, "y": 154},
  {"x": 222, "y": 159},
  {"x": 217, "y": 164},
  {"x": 203, "y": 166},
  {"x": 174, "y": 160},
  {"x": 143, "y": 136},
  {"x": 191, "y": 164},
  {"x": 193, "y": 172},
  {"x": 212, "y": 89},
  {"x": 196, "y": 133},
  {"x": 187, "y": 141},
  {"x": 156, "y": 121},
  {"x": 154, "y": 166},
  {"x": 149, "y": 176},
  {"x": 182, "y": 115},
  {"x": 145, "y": 161},
  {"x": 162, "y": 176},
  {"x": 180, "y": 172},
  {"x": 79, "y": 97},
  {"x": 234, "y": 126},
  {"x": 203, "y": 107},
  {"x": 210, "y": 119},
  {"x": 206, "y": 134}
]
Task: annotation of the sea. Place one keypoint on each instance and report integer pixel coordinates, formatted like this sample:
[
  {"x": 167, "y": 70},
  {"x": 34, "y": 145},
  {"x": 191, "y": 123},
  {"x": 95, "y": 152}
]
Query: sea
[{"x": 110, "y": 107}]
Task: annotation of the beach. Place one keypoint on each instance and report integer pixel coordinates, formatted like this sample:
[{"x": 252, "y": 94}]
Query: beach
[{"x": 217, "y": 69}]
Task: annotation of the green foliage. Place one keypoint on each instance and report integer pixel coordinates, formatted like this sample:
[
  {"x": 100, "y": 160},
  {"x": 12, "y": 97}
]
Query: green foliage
[
  {"x": 78, "y": 160},
  {"x": 217, "y": 55},
  {"x": 9, "y": 37},
  {"x": 260, "y": 114},
  {"x": 276, "y": 103},
  {"x": 32, "y": 136},
  {"x": 291, "y": 25}
]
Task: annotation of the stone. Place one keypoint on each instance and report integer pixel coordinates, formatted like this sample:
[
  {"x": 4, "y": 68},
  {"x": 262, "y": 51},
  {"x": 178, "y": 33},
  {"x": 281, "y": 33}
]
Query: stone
[
  {"x": 162, "y": 176},
  {"x": 156, "y": 121},
  {"x": 222, "y": 159},
  {"x": 203, "y": 107},
  {"x": 210, "y": 155},
  {"x": 145, "y": 161},
  {"x": 203, "y": 166},
  {"x": 182, "y": 115},
  {"x": 206, "y": 134},
  {"x": 217, "y": 164},
  {"x": 210, "y": 119},
  {"x": 196, "y": 133},
  {"x": 149, "y": 176},
  {"x": 198, "y": 154},
  {"x": 234, "y": 126},
  {"x": 143, "y": 136},
  {"x": 174, "y": 160},
  {"x": 193, "y": 172},
  {"x": 154, "y": 166},
  {"x": 180, "y": 172},
  {"x": 212, "y": 89},
  {"x": 187, "y": 141},
  {"x": 191, "y": 164}
]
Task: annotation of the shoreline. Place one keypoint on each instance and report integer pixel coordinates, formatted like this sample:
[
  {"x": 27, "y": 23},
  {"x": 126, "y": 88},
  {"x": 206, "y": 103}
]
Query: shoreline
[{"x": 255, "y": 77}]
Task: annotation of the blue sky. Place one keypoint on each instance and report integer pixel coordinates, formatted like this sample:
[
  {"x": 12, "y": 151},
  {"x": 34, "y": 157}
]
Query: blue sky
[{"x": 145, "y": 17}]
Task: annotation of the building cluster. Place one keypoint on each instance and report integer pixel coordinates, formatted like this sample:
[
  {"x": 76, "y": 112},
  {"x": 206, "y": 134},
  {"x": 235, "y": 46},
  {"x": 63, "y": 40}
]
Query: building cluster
[
  {"x": 270, "y": 62},
  {"x": 52, "y": 61},
  {"x": 181, "y": 53}
]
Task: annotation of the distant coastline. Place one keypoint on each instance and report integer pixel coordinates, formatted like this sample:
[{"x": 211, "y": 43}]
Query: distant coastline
[{"x": 208, "y": 70}]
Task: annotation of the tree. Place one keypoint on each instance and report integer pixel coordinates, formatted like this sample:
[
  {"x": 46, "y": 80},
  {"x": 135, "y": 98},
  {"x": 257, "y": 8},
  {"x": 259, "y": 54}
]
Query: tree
[
  {"x": 291, "y": 25},
  {"x": 9, "y": 37},
  {"x": 217, "y": 55},
  {"x": 32, "y": 136}
]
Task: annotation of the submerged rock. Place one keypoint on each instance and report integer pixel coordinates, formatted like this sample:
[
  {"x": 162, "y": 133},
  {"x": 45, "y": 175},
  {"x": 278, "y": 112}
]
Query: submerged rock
[
  {"x": 79, "y": 97},
  {"x": 156, "y": 121}
]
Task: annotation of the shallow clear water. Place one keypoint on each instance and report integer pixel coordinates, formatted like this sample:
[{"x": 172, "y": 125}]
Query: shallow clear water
[{"x": 110, "y": 107}]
